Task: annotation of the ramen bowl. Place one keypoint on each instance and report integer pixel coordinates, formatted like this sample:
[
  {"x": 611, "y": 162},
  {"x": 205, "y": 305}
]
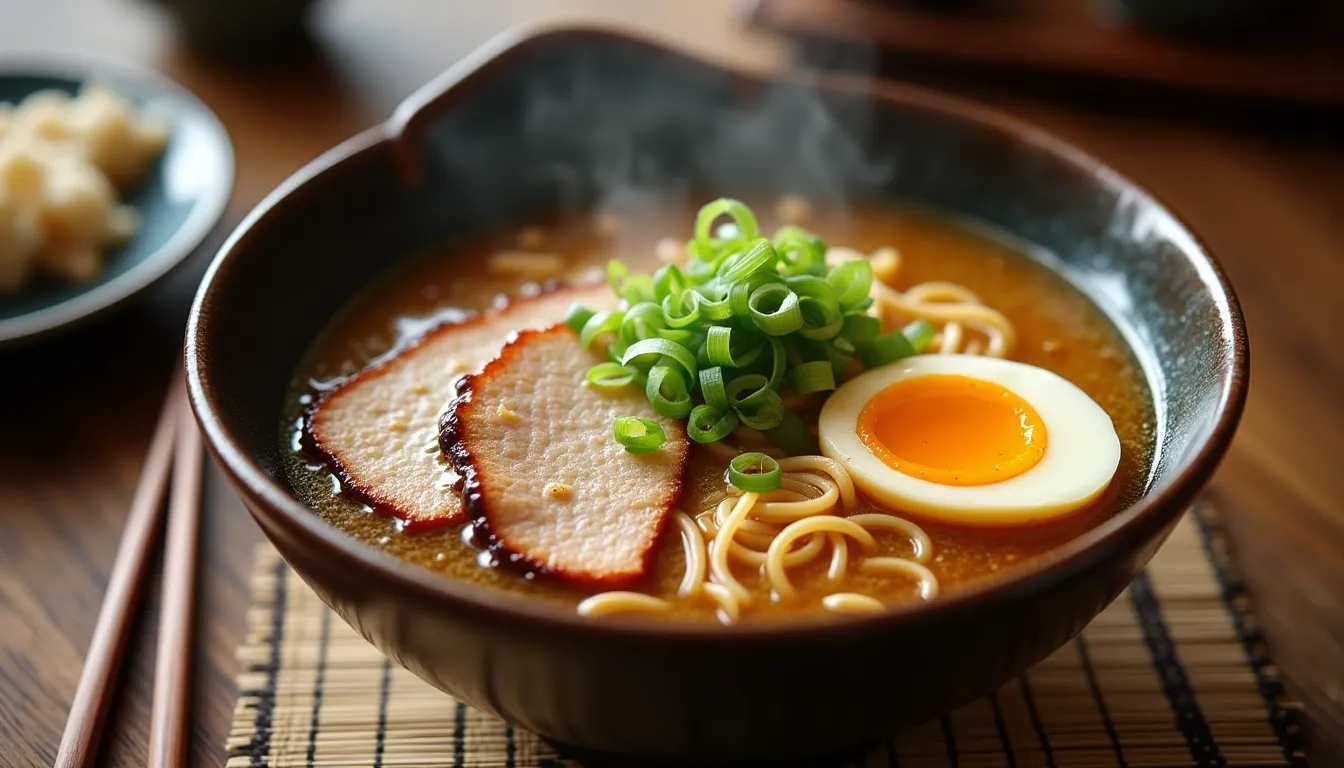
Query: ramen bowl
[{"x": 565, "y": 121}]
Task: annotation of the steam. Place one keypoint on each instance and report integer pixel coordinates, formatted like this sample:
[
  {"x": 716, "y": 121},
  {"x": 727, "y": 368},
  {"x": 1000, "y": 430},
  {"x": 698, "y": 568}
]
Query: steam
[{"x": 599, "y": 125}]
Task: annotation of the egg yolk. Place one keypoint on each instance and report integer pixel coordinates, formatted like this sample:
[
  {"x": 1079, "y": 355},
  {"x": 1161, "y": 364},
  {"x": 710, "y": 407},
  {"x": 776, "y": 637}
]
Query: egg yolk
[{"x": 952, "y": 430}]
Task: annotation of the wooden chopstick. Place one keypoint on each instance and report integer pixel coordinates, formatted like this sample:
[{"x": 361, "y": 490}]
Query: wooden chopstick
[
  {"x": 172, "y": 671},
  {"x": 93, "y": 695}
]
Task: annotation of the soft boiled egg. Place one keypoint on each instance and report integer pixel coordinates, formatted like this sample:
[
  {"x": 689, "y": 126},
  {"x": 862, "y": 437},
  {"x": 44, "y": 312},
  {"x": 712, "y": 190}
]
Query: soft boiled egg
[{"x": 971, "y": 440}]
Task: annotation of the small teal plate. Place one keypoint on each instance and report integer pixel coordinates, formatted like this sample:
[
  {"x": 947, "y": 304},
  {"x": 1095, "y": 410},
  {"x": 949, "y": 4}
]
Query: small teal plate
[{"x": 180, "y": 200}]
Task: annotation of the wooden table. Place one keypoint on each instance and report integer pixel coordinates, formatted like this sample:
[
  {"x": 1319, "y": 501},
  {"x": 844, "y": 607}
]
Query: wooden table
[{"x": 76, "y": 414}]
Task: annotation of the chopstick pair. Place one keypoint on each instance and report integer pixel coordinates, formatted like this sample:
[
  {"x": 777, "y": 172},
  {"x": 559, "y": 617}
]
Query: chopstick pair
[{"x": 174, "y": 451}]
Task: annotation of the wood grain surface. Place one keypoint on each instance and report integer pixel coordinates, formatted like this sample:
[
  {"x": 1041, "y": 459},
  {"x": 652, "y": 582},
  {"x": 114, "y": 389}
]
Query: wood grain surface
[
  {"x": 76, "y": 413},
  {"x": 1298, "y": 62}
]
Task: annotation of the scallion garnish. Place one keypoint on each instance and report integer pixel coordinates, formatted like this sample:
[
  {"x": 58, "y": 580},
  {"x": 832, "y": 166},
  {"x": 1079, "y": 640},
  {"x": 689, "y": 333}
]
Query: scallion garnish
[
  {"x": 577, "y": 317},
  {"x": 793, "y": 436},
  {"x": 662, "y": 348},
  {"x": 886, "y": 349},
  {"x": 812, "y": 376},
  {"x": 919, "y": 333},
  {"x": 598, "y": 323},
  {"x": 713, "y": 389},
  {"x": 638, "y": 435},
  {"x": 708, "y": 424},
  {"x": 609, "y": 376},
  {"x": 668, "y": 393},
  {"x": 774, "y": 309},
  {"x": 754, "y": 473},
  {"x": 745, "y": 321}
]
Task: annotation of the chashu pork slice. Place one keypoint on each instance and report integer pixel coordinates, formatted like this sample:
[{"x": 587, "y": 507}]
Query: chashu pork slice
[
  {"x": 378, "y": 430},
  {"x": 544, "y": 476}
]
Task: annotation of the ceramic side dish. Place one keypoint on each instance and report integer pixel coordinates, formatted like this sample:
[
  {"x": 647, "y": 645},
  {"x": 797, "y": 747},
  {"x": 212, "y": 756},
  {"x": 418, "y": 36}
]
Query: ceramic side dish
[
  {"x": 180, "y": 200},
  {"x": 566, "y": 120}
]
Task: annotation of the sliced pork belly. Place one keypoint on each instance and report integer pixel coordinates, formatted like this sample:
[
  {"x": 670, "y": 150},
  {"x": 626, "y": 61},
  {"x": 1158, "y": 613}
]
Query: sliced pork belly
[
  {"x": 379, "y": 429},
  {"x": 544, "y": 477}
]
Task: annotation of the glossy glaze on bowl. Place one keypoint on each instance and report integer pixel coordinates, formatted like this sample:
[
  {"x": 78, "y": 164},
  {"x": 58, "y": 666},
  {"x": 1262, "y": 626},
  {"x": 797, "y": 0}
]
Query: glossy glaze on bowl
[{"x": 562, "y": 121}]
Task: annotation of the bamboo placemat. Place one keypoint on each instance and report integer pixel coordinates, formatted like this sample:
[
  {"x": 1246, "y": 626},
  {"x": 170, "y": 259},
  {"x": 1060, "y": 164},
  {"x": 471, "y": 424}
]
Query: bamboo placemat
[{"x": 1171, "y": 674}]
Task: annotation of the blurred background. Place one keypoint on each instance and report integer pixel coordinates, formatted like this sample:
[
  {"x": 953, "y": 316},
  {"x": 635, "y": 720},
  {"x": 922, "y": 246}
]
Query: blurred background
[{"x": 1230, "y": 110}]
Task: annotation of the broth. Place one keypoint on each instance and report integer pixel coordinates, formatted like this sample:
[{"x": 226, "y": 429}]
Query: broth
[{"x": 1058, "y": 330}]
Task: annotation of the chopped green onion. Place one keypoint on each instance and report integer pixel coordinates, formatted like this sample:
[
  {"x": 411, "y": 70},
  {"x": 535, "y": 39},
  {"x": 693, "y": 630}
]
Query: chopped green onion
[
  {"x": 577, "y": 316},
  {"x": 766, "y": 418},
  {"x": 755, "y": 385},
  {"x": 810, "y": 252},
  {"x": 668, "y": 281},
  {"x": 778, "y": 364},
  {"x": 811, "y": 285},
  {"x": 851, "y": 280},
  {"x": 841, "y": 359},
  {"x": 723, "y": 346},
  {"x": 714, "y": 309},
  {"x": 639, "y": 289},
  {"x": 761, "y": 258},
  {"x": 813, "y": 376},
  {"x": 708, "y": 424},
  {"x": 861, "y": 329},
  {"x": 774, "y": 309},
  {"x": 609, "y": 376},
  {"x": 821, "y": 319},
  {"x": 739, "y": 293},
  {"x": 683, "y": 336},
  {"x": 701, "y": 253},
  {"x": 664, "y": 347},
  {"x": 638, "y": 435},
  {"x": 642, "y": 321},
  {"x": 718, "y": 346},
  {"x": 713, "y": 388},
  {"x": 793, "y": 436},
  {"x": 600, "y": 323},
  {"x": 754, "y": 473},
  {"x": 635, "y": 289},
  {"x": 667, "y": 392},
  {"x": 747, "y": 228},
  {"x": 919, "y": 333},
  {"x": 681, "y": 310},
  {"x": 803, "y": 350},
  {"x": 761, "y": 406},
  {"x": 695, "y": 335},
  {"x": 887, "y": 349},
  {"x": 617, "y": 272}
]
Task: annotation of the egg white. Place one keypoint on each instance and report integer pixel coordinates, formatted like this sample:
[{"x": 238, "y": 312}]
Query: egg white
[{"x": 1081, "y": 455}]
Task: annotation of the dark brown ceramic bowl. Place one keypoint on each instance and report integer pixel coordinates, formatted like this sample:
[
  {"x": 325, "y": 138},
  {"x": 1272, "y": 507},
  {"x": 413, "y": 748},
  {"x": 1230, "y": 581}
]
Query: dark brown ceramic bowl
[{"x": 565, "y": 120}]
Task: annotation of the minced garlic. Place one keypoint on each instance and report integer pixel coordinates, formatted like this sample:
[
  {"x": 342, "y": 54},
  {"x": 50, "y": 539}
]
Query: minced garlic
[
  {"x": 507, "y": 416},
  {"x": 62, "y": 161},
  {"x": 558, "y": 491}
]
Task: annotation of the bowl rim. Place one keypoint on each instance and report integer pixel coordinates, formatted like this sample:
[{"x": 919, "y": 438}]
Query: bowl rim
[
  {"x": 205, "y": 214},
  {"x": 1124, "y": 532}
]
